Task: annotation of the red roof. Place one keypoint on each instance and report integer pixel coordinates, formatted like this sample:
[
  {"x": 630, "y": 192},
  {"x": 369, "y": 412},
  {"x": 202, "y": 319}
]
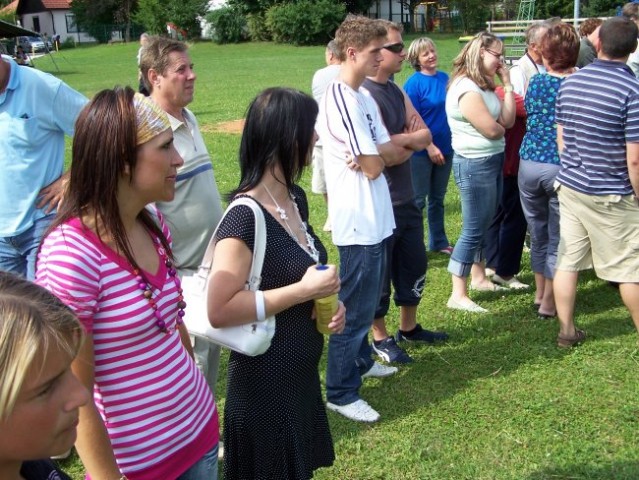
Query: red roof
[
  {"x": 11, "y": 8},
  {"x": 56, "y": 4}
]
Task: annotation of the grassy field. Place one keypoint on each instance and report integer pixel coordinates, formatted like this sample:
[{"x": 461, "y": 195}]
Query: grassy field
[{"x": 499, "y": 400}]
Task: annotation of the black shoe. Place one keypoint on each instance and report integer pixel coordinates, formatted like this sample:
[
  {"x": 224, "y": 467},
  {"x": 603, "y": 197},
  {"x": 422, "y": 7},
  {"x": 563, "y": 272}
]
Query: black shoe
[{"x": 421, "y": 335}]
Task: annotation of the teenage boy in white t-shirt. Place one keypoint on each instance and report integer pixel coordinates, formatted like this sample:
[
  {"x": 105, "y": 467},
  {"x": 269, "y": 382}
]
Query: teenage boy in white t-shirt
[{"x": 357, "y": 148}]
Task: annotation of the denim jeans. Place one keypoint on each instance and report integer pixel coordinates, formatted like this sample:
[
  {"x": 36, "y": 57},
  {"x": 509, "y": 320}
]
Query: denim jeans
[
  {"x": 541, "y": 208},
  {"x": 480, "y": 183},
  {"x": 18, "y": 254},
  {"x": 205, "y": 468},
  {"x": 349, "y": 353},
  {"x": 507, "y": 232},
  {"x": 430, "y": 180}
]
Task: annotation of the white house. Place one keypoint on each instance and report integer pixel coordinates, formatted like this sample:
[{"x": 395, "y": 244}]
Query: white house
[{"x": 51, "y": 17}]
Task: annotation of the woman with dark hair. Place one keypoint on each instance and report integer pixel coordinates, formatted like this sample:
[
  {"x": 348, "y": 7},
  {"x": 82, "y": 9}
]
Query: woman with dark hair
[
  {"x": 275, "y": 423},
  {"x": 478, "y": 121},
  {"x": 108, "y": 256},
  {"x": 39, "y": 396},
  {"x": 540, "y": 160},
  {"x": 430, "y": 168}
]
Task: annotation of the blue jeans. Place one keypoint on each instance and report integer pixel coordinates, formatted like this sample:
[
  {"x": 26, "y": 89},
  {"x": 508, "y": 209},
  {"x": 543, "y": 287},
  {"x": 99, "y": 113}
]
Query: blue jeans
[
  {"x": 205, "y": 468},
  {"x": 480, "y": 183},
  {"x": 349, "y": 353},
  {"x": 430, "y": 180},
  {"x": 18, "y": 254}
]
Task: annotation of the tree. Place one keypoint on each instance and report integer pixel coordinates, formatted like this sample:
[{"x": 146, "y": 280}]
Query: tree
[
  {"x": 152, "y": 15},
  {"x": 473, "y": 14},
  {"x": 95, "y": 17},
  {"x": 261, "y": 6},
  {"x": 155, "y": 14}
]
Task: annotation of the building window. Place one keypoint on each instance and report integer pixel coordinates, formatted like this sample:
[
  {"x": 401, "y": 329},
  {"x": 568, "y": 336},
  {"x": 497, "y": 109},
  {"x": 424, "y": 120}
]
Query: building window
[
  {"x": 36, "y": 24},
  {"x": 72, "y": 27}
]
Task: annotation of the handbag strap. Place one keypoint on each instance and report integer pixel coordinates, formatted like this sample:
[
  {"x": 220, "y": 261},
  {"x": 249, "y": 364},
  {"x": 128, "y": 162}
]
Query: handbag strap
[{"x": 259, "y": 246}]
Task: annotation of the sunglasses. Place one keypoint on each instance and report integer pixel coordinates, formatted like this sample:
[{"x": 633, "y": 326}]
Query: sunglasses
[{"x": 394, "y": 47}]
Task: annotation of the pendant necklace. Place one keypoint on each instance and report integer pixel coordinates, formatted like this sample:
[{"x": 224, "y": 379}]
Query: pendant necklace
[
  {"x": 310, "y": 242},
  {"x": 147, "y": 292}
]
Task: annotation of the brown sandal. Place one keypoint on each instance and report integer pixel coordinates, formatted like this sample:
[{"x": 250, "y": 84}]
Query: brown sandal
[{"x": 567, "y": 342}]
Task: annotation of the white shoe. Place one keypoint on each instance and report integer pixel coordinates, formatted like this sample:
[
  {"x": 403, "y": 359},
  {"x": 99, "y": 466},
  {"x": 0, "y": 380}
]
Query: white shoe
[
  {"x": 469, "y": 306},
  {"x": 380, "y": 371},
  {"x": 359, "y": 410},
  {"x": 513, "y": 283},
  {"x": 490, "y": 272}
]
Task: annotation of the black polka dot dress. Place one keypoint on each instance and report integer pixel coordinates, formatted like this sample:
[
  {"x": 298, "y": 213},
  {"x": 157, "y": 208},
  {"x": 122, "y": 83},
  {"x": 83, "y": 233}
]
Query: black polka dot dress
[{"x": 275, "y": 424}]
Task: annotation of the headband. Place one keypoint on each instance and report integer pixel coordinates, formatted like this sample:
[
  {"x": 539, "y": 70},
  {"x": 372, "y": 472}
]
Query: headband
[{"x": 150, "y": 119}]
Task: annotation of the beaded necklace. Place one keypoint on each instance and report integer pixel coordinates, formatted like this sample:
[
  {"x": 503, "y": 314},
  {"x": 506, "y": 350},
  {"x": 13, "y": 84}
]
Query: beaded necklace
[
  {"x": 147, "y": 292},
  {"x": 310, "y": 242}
]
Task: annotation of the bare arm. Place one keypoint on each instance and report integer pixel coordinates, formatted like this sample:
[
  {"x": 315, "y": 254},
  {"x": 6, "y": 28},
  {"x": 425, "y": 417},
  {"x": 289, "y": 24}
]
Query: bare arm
[
  {"x": 508, "y": 107},
  {"x": 186, "y": 339},
  {"x": 392, "y": 153},
  {"x": 372, "y": 166},
  {"x": 474, "y": 109},
  {"x": 93, "y": 444},
  {"x": 229, "y": 304},
  {"x": 51, "y": 196},
  {"x": 632, "y": 158}
]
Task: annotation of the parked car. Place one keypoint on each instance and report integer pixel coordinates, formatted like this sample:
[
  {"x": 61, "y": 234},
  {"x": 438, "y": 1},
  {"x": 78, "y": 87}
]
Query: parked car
[{"x": 33, "y": 44}]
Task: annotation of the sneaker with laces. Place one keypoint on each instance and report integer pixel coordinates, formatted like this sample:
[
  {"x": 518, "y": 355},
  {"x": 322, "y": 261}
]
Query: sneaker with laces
[
  {"x": 422, "y": 335},
  {"x": 359, "y": 410},
  {"x": 380, "y": 371},
  {"x": 390, "y": 352}
]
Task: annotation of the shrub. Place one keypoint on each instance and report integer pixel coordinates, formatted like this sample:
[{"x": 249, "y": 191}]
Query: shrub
[
  {"x": 228, "y": 25},
  {"x": 305, "y": 22},
  {"x": 257, "y": 29}
]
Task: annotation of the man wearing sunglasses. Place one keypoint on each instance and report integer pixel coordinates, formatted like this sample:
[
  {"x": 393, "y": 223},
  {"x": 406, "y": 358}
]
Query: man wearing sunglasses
[{"x": 405, "y": 249}]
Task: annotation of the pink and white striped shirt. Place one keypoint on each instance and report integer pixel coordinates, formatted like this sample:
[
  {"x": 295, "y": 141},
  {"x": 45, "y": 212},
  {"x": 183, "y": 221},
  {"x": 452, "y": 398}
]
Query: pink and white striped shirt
[{"x": 157, "y": 408}]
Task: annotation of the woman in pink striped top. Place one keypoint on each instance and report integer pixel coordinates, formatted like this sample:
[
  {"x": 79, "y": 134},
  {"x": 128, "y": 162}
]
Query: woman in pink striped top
[{"x": 108, "y": 257}]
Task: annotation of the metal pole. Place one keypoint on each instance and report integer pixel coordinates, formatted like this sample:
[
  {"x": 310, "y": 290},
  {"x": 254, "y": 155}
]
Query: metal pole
[{"x": 575, "y": 14}]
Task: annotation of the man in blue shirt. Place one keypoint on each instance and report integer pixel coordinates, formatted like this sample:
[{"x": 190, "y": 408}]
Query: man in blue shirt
[
  {"x": 598, "y": 137},
  {"x": 36, "y": 111}
]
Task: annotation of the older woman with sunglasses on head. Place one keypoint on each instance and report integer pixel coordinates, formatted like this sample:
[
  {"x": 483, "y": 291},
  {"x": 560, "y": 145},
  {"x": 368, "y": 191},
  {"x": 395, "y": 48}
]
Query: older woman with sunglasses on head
[
  {"x": 478, "y": 121},
  {"x": 39, "y": 396}
]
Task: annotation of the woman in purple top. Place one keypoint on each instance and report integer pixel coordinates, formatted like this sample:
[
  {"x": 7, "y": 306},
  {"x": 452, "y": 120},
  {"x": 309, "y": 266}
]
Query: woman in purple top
[{"x": 431, "y": 167}]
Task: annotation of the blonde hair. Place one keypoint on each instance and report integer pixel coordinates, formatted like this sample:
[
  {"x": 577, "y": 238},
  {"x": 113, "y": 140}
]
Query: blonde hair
[
  {"x": 417, "y": 47},
  {"x": 32, "y": 321},
  {"x": 469, "y": 62},
  {"x": 357, "y": 31}
]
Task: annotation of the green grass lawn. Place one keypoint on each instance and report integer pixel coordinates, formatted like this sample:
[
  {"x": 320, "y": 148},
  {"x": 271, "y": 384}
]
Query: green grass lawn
[{"x": 499, "y": 400}]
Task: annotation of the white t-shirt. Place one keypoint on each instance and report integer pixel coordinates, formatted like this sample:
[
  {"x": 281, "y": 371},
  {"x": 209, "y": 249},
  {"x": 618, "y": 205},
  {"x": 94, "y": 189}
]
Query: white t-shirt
[
  {"x": 350, "y": 125},
  {"x": 467, "y": 141}
]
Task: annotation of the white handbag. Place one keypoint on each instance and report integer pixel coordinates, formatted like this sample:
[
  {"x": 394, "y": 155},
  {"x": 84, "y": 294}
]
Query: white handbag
[{"x": 251, "y": 338}]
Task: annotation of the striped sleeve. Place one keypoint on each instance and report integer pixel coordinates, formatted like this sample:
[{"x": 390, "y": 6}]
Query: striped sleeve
[
  {"x": 69, "y": 267},
  {"x": 349, "y": 109}
]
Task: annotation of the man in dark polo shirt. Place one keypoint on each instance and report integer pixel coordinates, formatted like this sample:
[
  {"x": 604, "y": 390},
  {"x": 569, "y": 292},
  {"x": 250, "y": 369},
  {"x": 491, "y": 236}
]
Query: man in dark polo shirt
[{"x": 598, "y": 136}]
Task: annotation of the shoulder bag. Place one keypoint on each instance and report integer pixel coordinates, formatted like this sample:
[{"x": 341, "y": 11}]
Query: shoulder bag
[{"x": 252, "y": 338}]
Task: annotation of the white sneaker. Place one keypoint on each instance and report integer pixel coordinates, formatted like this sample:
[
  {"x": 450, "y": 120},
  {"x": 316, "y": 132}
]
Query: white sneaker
[
  {"x": 490, "y": 272},
  {"x": 380, "y": 371},
  {"x": 359, "y": 410}
]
